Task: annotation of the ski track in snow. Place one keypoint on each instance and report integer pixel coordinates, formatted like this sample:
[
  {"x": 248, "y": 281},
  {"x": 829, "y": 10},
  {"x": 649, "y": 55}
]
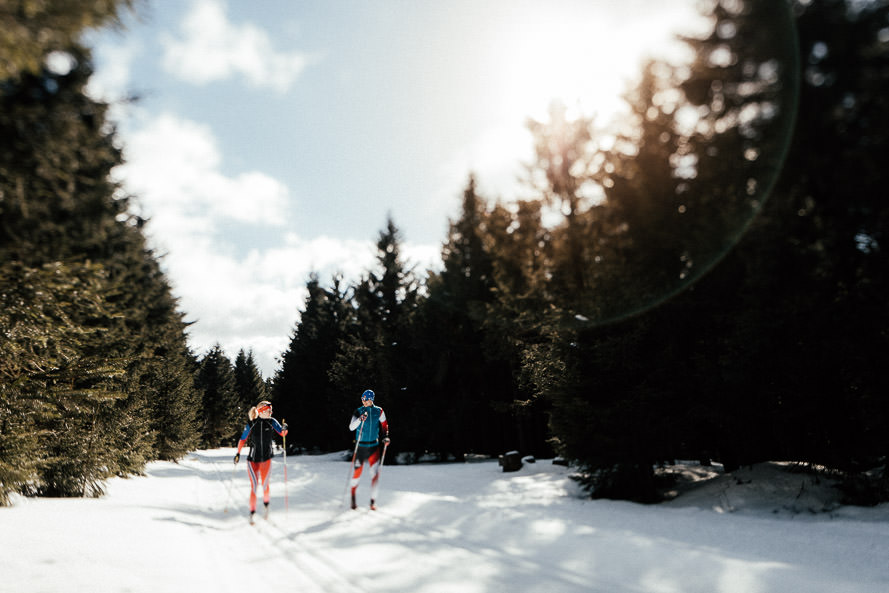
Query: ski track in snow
[
  {"x": 415, "y": 533},
  {"x": 440, "y": 528},
  {"x": 324, "y": 571}
]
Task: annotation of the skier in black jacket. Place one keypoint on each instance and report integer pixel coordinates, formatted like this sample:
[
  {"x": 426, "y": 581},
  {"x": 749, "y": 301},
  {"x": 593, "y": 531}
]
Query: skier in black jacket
[{"x": 260, "y": 431}]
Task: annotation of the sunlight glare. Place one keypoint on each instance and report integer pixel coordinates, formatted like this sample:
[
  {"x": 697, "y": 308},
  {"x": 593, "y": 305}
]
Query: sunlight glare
[{"x": 585, "y": 57}]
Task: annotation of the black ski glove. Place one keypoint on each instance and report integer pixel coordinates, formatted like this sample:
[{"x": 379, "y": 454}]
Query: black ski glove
[{"x": 237, "y": 458}]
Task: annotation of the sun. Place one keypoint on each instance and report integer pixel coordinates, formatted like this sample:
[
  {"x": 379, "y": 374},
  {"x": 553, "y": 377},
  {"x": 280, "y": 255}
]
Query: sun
[{"x": 582, "y": 54}]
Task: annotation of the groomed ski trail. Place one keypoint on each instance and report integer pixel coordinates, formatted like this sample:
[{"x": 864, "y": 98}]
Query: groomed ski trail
[
  {"x": 318, "y": 521},
  {"x": 439, "y": 528}
]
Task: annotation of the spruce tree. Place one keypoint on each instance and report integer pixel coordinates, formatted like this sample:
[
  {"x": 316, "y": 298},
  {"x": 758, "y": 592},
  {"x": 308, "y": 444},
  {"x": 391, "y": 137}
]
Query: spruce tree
[
  {"x": 248, "y": 381},
  {"x": 377, "y": 352},
  {"x": 461, "y": 359},
  {"x": 89, "y": 319},
  {"x": 66, "y": 238},
  {"x": 563, "y": 173},
  {"x": 31, "y": 30},
  {"x": 303, "y": 389},
  {"x": 772, "y": 354},
  {"x": 57, "y": 387},
  {"x": 222, "y": 415},
  {"x": 675, "y": 199}
]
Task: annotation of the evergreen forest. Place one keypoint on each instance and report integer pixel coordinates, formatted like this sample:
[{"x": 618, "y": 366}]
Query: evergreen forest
[{"x": 708, "y": 281}]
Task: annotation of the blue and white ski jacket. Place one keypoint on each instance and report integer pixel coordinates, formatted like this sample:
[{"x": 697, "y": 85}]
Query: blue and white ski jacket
[{"x": 375, "y": 427}]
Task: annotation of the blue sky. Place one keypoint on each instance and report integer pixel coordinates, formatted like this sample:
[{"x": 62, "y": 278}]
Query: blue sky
[{"x": 273, "y": 138}]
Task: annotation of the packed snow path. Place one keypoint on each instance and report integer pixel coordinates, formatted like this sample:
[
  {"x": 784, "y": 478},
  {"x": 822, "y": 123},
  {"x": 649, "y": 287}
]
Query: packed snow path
[{"x": 440, "y": 528}]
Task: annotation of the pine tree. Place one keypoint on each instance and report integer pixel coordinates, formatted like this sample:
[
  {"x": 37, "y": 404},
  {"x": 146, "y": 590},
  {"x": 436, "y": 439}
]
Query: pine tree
[
  {"x": 98, "y": 344},
  {"x": 165, "y": 372},
  {"x": 376, "y": 352},
  {"x": 56, "y": 384},
  {"x": 564, "y": 173},
  {"x": 459, "y": 351},
  {"x": 222, "y": 416},
  {"x": 814, "y": 263},
  {"x": 248, "y": 381},
  {"x": 522, "y": 316},
  {"x": 302, "y": 387},
  {"x": 160, "y": 416},
  {"x": 31, "y": 30},
  {"x": 58, "y": 234},
  {"x": 675, "y": 200}
]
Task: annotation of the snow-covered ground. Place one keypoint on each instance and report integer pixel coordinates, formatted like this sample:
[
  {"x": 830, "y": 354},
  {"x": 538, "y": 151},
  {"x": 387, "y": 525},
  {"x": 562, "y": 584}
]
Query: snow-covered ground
[{"x": 441, "y": 528}]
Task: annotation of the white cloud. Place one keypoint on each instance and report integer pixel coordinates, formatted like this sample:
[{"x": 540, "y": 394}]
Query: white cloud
[
  {"x": 174, "y": 165},
  {"x": 108, "y": 82},
  {"x": 241, "y": 299},
  {"x": 211, "y": 48},
  {"x": 111, "y": 79},
  {"x": 254, "y": 302}
]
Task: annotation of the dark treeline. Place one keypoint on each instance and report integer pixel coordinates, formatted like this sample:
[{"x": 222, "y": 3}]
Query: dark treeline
[
  {"x": 714, "y": 288},
  {"x": 95, "y": 373},
  {"x": 96, "y": 377},
  {"x": 448, "y": 376}
]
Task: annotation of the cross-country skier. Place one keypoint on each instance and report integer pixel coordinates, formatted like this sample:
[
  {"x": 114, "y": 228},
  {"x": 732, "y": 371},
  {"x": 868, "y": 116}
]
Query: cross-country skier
[
  {"x": 371, "y": 427},
  {"x": 260, "y": 431}
]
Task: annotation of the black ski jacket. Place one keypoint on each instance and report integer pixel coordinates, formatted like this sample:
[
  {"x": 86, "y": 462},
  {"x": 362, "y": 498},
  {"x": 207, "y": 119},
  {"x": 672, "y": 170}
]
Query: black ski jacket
[{"x": 260, "y": 434}]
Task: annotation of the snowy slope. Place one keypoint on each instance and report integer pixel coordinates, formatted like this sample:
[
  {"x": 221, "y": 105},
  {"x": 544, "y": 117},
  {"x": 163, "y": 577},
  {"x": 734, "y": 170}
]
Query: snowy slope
[{"x": 441, "y": 528}]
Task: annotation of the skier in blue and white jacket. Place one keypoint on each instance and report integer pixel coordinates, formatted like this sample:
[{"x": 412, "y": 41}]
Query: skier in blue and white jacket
[{"x": 371, "y": 428}]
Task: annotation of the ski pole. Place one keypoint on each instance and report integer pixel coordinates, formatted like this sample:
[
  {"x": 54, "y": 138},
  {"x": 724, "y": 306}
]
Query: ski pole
[
  {"x": 382, "y": 460},
  {"x": 352, "y": 465},
  {"x": 286, "y": 502},
  {"x": 231, "y": 487}
]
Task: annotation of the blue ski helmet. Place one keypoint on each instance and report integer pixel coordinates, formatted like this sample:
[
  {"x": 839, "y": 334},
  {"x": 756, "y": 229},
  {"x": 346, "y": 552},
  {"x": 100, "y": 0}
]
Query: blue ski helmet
[{"x": 368, "y": 395}]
